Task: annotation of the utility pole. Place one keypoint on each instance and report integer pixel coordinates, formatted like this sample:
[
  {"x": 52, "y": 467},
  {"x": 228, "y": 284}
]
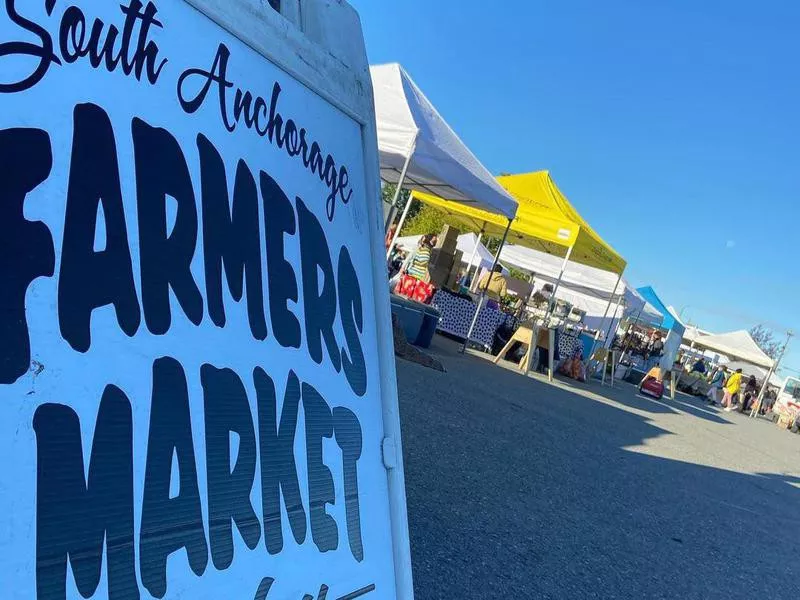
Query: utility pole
[{"x": 757, "y": 406}]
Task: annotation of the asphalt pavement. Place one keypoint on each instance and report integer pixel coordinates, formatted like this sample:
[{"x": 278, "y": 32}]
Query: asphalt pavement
[{"x": 518, "y": 488}]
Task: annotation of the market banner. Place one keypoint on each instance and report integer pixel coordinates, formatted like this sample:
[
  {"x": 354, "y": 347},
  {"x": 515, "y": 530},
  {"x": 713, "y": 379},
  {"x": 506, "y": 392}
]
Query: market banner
[{"x": 190, "y": 401}]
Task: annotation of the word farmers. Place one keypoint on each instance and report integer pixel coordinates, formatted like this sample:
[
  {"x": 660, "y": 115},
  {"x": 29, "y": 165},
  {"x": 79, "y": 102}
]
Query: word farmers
[{"x": 329, "y": 316}]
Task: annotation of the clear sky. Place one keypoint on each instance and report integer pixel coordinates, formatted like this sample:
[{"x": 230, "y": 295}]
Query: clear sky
[{"x": 673, "y": 127}]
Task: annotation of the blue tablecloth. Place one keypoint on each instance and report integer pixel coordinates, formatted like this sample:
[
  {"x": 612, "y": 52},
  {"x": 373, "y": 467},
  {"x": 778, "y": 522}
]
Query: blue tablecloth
[{"x": 457, "y": 314}]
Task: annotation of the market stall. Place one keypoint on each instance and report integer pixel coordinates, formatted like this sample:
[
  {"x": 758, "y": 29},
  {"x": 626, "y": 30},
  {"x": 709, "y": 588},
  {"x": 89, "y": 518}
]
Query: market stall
[
  {"x": 545, "y": 221},
  {"x": 458, "y": 312},
  {"x": 419, "y": 151}
]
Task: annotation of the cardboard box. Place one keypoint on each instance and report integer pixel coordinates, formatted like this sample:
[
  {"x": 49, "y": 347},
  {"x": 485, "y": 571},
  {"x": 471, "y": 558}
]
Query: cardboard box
[
  {"x": 438, "y": 275},
  {"x": 448, "y": 239},
  {"x": 440, "y": 258}
]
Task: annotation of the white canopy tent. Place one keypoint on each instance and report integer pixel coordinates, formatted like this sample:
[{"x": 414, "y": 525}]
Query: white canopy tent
[
  {"x": 759, "y": 372},
  {"x": 419, "y": 151},
  {"x": 588, "y": 288},
  {"x": 736, "y": 345}
]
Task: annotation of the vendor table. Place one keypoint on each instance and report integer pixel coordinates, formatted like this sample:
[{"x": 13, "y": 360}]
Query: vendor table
[{"x": 457, "y": 314}]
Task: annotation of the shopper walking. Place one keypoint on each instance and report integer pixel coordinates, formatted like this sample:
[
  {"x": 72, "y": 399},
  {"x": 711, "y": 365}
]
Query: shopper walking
[{"x": 732, "y": 387}]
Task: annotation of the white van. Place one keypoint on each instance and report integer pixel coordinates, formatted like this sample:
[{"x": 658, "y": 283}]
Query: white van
[{"x": 788, "y": 403}]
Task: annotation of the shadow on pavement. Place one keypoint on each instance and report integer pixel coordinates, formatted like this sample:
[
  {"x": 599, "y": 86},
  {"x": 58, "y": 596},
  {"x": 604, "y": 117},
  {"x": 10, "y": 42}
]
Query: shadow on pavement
[{"x": 517, "y": 488}]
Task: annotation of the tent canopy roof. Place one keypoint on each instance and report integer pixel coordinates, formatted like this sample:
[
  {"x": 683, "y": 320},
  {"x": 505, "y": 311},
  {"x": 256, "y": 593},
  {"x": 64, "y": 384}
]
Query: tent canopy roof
[
  {"x": 735, "y": 345},
  {"x": 671, "y": 320},
  {"x": 545, "y": 221},
  {"x": 584, "y": 280},
  {"x": 759, "y": 372},
  {"x": 440, "y": 164},
  {"x": 636, "y": 307},
  {"x": 589, "y": 280}
]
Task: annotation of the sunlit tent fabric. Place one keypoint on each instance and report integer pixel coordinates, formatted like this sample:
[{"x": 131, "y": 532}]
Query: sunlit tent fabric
[
  {"x": 545, "y": 221},
  {"x": 547, "y": 267},
  {"x": 759, "y": 372},
  {"x": 440, "y": 163},
  {"x": 639, "y": 309},
  {"x": 670, "y": 321},
  {"x": 585, "y": 287},
  {"x": 675, "y": 328},
  {"x": 735, "y": 345}
]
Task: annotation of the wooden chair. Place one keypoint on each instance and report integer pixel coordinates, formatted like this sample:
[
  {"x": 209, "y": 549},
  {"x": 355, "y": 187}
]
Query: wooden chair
[{"x": 546, "y": 338}]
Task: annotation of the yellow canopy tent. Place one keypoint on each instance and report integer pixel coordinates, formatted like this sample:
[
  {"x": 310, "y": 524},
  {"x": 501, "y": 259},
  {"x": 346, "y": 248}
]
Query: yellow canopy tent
[{"x": 545, "y": 221}]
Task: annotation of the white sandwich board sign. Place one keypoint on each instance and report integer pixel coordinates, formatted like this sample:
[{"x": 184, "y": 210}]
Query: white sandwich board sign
[{"x": 197, "y": 395}]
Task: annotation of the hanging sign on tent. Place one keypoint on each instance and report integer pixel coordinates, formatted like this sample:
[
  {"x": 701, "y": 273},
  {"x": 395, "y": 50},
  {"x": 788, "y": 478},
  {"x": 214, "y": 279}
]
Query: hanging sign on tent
[{"x": 190, "y": 393}]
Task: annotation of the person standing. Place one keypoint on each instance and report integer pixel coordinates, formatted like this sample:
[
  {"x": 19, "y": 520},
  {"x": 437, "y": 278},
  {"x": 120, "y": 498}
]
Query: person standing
[
  {"x": 732, "y": 387},
  {"x": 699, "y": 366},
  {"x": 418, "y": 265},
  {"x": 495, "y": 285},
  {"x": 715, "y": 385}
]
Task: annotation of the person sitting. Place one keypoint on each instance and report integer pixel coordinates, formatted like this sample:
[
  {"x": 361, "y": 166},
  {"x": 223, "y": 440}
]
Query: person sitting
[
  {"x": 750, "y": 394},
  {"x": 495, "y": 285},
  {"x": 654, "y": 373}
]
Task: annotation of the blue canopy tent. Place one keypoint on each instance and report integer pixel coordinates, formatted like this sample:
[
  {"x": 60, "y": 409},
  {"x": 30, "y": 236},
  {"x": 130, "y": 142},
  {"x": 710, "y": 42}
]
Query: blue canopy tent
[{"x": 671, "y": 323}]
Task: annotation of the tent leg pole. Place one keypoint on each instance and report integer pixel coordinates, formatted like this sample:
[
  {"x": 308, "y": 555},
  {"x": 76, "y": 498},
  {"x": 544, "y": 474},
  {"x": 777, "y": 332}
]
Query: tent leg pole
[
  {"x": 399, "y": 227},
  {"x": 389, "y": 218},
  {"x": 613, "y": 316},
  {"x": 474, "y": 253},
  {"x": 397, "y": 191},
  {"x": 483, "y": 291},
  {"x": 776, "y": 364},
  {"x": 605, "y": 314},
  {"x": 552, "y": 303}
]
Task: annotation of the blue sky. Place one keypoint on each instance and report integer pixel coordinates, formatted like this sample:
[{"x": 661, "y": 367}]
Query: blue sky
[{"x": 673, "y": 127}]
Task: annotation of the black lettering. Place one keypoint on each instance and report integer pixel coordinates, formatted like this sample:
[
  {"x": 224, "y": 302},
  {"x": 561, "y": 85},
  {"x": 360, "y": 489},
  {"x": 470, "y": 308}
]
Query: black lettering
[
  {"x": 344, "y": 183},
  {"x": 292, "y": 139},
  {"x": 43, "y": 52},
  {"x": 166, "y": 258},
  {"x": 92, "y": 279},
  {"x": 72, "y": 35},
  {"x": 283, "y": 132},
  {"x": 352, "y": 314},
  {"x": 103, "y": 51},
  {"x": 26, "y": 247},
  {"x": 319, "y": 424},
  {"x": 101, "y": 45},
  {"x": 74, "y": 516},
  {"x": 319, "y": 305},
  {"x": 278, "y": 466},
  {"x": 279, "y": 220},
  {"x": 275, "y": 121},
  {"x": 231, "y": 236},
  {"x": 263, "y": 588},
  {"x": 217, "y": 75},
  {"x": 146, "y": 53},
  {"x": 329, "y": 176},
  {"x": 348, "y": 437},
  {"x": 170, "y": 523},
  {"x": 228, "y": 411}
]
